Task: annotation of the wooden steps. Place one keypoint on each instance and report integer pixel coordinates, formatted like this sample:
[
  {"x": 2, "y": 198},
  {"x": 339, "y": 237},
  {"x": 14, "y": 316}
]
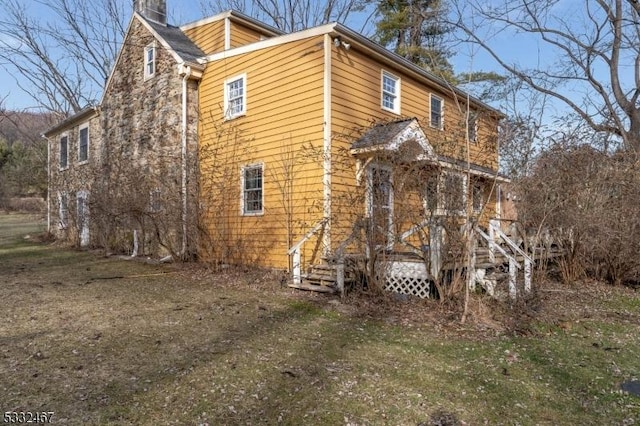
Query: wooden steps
[{"x": 323, "y": 278}]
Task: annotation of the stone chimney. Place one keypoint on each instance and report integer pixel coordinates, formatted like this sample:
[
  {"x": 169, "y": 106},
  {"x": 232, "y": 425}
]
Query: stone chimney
[{"x": 154, "y": 10}]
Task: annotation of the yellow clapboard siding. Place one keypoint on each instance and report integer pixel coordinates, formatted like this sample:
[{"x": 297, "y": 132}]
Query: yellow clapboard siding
[
  {"x": 241, "y": 35},
  {"x": 279, "y": 119},
  {"x": 208, "y": 37}
]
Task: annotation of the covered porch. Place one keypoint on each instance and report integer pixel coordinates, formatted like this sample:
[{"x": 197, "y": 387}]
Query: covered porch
[{"x": 416, "y": 205}]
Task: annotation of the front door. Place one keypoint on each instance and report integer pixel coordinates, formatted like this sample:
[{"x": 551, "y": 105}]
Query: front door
[{"x": 381, "y": 206}]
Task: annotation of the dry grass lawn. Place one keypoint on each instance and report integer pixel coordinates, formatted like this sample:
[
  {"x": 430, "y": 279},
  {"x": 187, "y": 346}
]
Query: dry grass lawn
[{"x": 110, "y": 341}]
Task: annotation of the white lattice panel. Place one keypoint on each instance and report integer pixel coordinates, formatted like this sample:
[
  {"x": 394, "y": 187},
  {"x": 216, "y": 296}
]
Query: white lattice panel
[{"x": 406, "y": 278}]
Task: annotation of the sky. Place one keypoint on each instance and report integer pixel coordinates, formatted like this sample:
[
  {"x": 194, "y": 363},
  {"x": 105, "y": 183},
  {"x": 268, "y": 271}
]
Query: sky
[
  {"x": 184, "y": 11},
  {"x": 516, "y": 48}
]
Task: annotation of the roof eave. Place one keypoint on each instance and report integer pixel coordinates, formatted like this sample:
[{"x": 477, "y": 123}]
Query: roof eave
[{"x": 82, "y": 115}]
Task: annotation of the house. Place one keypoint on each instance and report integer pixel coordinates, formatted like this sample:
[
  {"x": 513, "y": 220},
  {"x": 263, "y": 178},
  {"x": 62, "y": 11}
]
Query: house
[{"x": 229, "y": 139}]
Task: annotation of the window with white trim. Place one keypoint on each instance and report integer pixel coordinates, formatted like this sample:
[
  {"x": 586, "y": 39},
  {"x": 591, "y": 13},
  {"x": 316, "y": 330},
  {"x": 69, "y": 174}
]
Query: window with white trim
[
  {"x": 64, "y": 151},
  {"x": 235, "y": 96},
  {"x": 437, "y": 108},
  {"x": 390, "y": 92},
  {"x": 149, "y": 61},
  {"x": 252, "y": 189},
  {"x": 83, "y": 143}
]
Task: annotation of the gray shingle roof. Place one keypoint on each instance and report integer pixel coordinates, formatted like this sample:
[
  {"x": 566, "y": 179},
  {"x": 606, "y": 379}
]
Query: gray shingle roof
[
  {"x": 380, "y": 134},
  {"x": 179, "y": 42}
]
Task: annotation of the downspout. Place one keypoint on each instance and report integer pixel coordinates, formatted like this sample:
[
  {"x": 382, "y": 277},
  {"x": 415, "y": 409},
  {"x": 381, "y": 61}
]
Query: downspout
[{"x": 185, "y": 71}]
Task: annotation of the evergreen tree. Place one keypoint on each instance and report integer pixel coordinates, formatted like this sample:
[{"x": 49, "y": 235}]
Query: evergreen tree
[{"x": 415, "y": 30}]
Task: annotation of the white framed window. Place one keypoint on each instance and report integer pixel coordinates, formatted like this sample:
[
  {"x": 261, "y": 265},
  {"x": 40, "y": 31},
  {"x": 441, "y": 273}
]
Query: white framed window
[
  {"x": 235, "y": 96},
  {"x": 472, "y": 126},
  {"x": 149, "y": 61},
  {"x": 390, "y": 92},
  {"x": 437, "y": 111},
  {"x": 83, "y": 143},
  {"x": 64, "y": 151},
  {"x": 252, "y": 185},
  {"x": 63, "y": 210}
]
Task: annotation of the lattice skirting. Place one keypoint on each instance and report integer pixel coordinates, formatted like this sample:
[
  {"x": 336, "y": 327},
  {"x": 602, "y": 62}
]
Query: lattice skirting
[{"x": 406, "y": 278}]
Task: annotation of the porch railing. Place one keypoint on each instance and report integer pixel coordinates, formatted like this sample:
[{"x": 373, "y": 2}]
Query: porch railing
[
  {"x": 296, "y": 249},
  {"x": 495, "y": 234},
  {"x": 527, "y": 260}
]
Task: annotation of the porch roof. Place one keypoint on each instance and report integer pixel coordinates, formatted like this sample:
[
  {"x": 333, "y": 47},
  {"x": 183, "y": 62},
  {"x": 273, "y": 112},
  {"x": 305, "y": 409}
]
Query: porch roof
[{"x": 391, "y": 136}]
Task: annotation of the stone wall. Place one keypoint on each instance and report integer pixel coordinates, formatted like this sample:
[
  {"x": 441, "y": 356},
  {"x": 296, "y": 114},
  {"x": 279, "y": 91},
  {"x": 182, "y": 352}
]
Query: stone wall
[{"x": 135, "y": 173}]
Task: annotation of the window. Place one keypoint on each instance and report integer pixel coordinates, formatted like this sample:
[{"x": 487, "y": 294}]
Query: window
[
  {"x": 252, "y": 194},
  {"x": 390, "y": 92},
  {"x": 431, "y": 193},
  {"x": 472, "y": 126},
  {"x": 83, "y": 144},
  {"x": 64, "y": 152},
  {"x": 63, "y": 210},
  {"x": 235, "y": 96},
  {"x": 155, "y": 202},
  {"x": 453, "y": 190},
  {"x": 437, "y": 106},
  {"x": 149, "y": 61},
  {"x": 477, "y": 197}
]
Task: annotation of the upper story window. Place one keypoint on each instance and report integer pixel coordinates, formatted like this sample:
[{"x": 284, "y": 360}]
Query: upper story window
[
  {"x": 83, "y": 144},
  {"x": 64, "y": 151},
  {"x": 149, "y": 61},
  {"x": 390, "y": 92},
  {"x": 252, "y": 189},
  {"x": 472, "y": 126},
  {"x": 235, "y": 96},
  {"x": 437, "y": 108}
]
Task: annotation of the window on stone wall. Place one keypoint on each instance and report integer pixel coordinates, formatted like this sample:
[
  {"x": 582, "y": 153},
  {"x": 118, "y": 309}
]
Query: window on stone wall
[
  {"x": 64, "y": 152},
  {"x": 83, "y": 144},
  {"x": 149, "y": 61},
  {"x": 155, "y": 201},
  {"x": 252, "y": 189}
]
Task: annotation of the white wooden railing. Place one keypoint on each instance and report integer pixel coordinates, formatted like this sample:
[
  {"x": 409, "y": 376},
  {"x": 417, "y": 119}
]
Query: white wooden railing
[
  {"x": 527, "y": 260},
  {"x": 296, "y": 249},
  {"x": 513, "y": 263}
]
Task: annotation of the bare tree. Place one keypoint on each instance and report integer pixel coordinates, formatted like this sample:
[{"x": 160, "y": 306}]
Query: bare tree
[
  {"x": 64, "y": 55},
  {"x": 596, "y": 71},
  {"x": 290, "y": 15}
]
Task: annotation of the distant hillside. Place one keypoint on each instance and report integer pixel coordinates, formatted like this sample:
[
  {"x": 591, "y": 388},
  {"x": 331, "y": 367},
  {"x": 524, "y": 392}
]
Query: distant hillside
[{"x": 25, "y": 127}]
